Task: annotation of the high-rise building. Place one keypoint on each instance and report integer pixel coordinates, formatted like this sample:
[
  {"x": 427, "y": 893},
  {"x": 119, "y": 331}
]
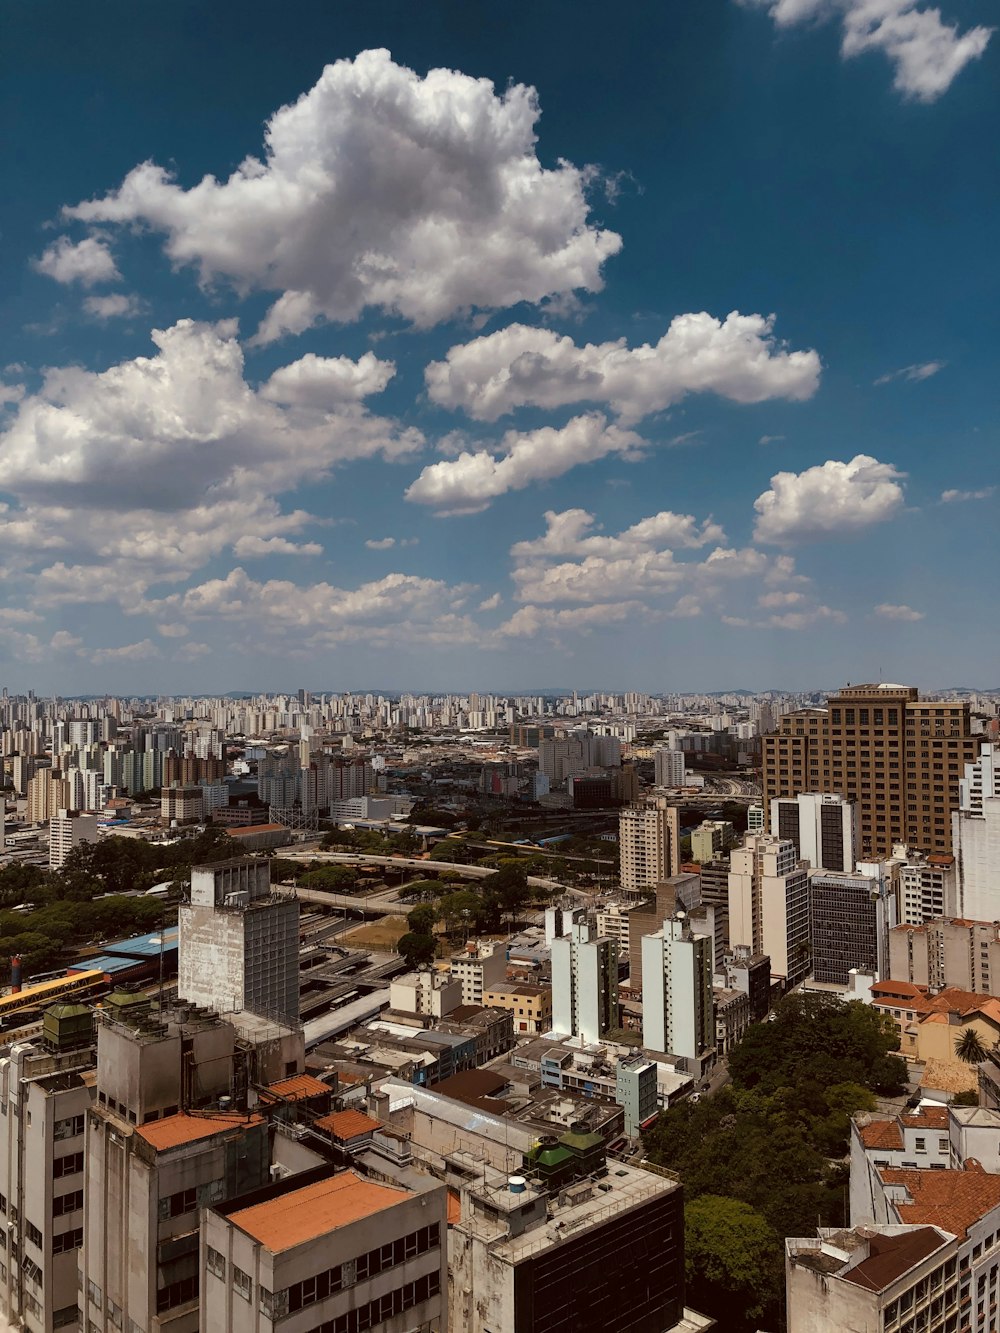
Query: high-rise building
[
  {"x": 851, "y": 915},
  {"x": 676, "y": 893},
  {"x": 896, "y": 757},
  {"x": 584, "y": 984},
  {"x": 239, "y": 942},
  {"x": 976, "y": 837},
  {"x": 677, "y": 1014},
  {"x": 821, "y": 825},
  {"x": 755, "y": 819},
  {"x": 668, "y": 768},
  {"x": 711, "y": 839},
  {"x": 928, "y": 885},
  {"x": 69, "y": 829},
  {"x": 769, "y": 904},
  {"x": 649, "y": 844},
  {"x": 943, "y": 953}
]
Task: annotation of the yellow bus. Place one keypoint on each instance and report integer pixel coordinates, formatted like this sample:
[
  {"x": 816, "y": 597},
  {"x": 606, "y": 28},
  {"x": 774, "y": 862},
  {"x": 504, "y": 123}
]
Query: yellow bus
[{"x": 79, "y": 986}]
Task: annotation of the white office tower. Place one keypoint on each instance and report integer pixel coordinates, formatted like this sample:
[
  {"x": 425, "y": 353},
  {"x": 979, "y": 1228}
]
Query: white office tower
[
  {"x": 677, "y": 1012},
  {"x": 584, "y": 984},
  {"x": 649, "y": 841},
  {"x": 975, "y": 836},
  {"x": 238, "y": 948},
  {"x": 755, "y": 819},
  {"x": 561, "y": 920},
  {"x": 822, "y": 825},
  {"x": 668, "y": 768},
  {"x": 769, "y": 904}
]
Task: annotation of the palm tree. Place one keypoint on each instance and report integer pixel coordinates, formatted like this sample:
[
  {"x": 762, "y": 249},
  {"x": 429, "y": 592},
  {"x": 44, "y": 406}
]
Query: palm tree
[{"x": 970, "y": 1047}]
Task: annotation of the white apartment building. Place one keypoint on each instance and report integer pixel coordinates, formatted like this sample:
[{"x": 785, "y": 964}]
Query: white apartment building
[
  {"x": 928, "y": 885},
  {"x": 769, "y": 904},
  {"x": 584, "y": 984},
  {"x": 649, "y": 843},
  {"x": 69, "y": 829},
  {"x": 677, "y": 1006},
  {"x": 479, "y": 967},
  {"x": 975, "y": 829},
  {"x": 822, "y": 825},
  {"x": 668, "y": 768}
]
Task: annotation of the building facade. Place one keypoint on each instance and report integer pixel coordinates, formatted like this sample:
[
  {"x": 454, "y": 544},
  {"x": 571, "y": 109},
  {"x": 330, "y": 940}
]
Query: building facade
[
  {"x": 584, "y": 984},
  {"x": 769, "y": 904},
  {"x": 677, "y": 1012},
  {"x": 648, "y": 844}
]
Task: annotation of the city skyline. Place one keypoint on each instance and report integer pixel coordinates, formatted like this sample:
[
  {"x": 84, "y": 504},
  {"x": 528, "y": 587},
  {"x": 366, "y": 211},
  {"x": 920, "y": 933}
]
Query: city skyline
[{"x": 532, "y": 347}]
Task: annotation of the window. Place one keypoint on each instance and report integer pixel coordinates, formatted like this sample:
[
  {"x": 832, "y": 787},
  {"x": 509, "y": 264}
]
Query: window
[
  {"x": 242, "y": 1283},
  {"x": 216, "y": 1262},
  {"x": 94, "y": 1292},
  {"x": 67, "y": 1203},
  {"x": 33, "y": 1234},
  {"x": 67, "y": 1166},
  {"x": 175, "y": 1205},
  {"x": 68, "y": 1128},
  {"x": 69, "y": 1314},
  {"x": 920, "y": 1145},
  {"x": 31, "y": 1269},
  {"x": 68, "y": 1240},
  {"x": 177, "y": 1293}
]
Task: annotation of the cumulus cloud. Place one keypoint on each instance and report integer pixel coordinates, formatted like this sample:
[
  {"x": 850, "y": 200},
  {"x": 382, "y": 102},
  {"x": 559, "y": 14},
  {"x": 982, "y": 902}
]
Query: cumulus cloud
[
  {"x": 926, "y": 51},
  {"x": 173, "y": 631},
  {"x": 128, "y": 652},
  {"x": 888, "y": 611},
  {"x": 468, "y": 483},
  {"x": 491, "y": 603},
  {"x": 325, "y": 381},
  {"x": 87, "y": 262},
  {"x": 116, "y": 306},
  {"x": 380, "y": 543},
  {"x": 914, "y": 374},
  {"x": 530, "y": 621},
  {"x": 953, "y": 497},
  {"x": 570, "y": 533},
  {"x": 18, "y": 615},
  {"x": 738, "y": 358},
  {"x": 191, "y": 652},
  {"x": 792, "y": 620},
  {"x": 422, "y": 196},
  {"x": 831, "y": 499},
  {"x": 250, "y": 547}
]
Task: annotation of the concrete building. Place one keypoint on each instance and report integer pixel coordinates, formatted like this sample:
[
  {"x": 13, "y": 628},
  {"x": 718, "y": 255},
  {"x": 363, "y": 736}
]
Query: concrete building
[
  {"x": 612, "y": 922},
  {"x": 69, "y": 829},
  {"x": 873, "y": 1279},
  {"x": 711, "y": 840},
  {"x": 328, "y": 1249},
  {"x": 821, "y": 825},
  {"x": 635, "y": 1090},
  {"x": 928, "y": 885},
  {"x": 755, "y": 819},
  {"x": 677, "y": 1013},
  {"x": 769, "y": 904},
  {"x": 745, "y": 971},
  {"x": 976, "y": 837},
  {"x": 239, "y": 942},
  {"x": 732, "y": 1017},
  {"x": 851, "y": 916},
  {"x": 896, "y": 757},
  {"x": 668, "y": 768},
  {"x": 480, "y": 966},
  {"x": 584, "y": 984},
  {"x": 964, "y": 954},
  {"x": 529, "y": 1006},
  {"x": 46, "y": 1088},
  {"x": 182, "y": 805},
  {"x": 647, "y": 916},
  {"x": 433, "y": 994},
  {"x": 649, "y": 845},
  {"x": 48, "y": 793}
]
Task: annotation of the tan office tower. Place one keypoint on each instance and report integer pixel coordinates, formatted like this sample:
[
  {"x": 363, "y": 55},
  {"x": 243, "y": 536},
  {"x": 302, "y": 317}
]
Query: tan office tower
[
  {"x": 897, "y": 758},
  {"x": 649, "y": 839}
]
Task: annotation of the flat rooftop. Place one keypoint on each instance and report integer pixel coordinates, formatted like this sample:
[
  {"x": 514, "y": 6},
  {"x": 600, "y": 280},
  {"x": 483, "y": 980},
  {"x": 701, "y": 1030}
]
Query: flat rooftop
[{"x": 311, "y": 1211}]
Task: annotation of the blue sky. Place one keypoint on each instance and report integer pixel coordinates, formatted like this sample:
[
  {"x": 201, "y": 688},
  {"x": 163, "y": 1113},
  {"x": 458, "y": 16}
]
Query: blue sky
[{"x": 542, "y": 351}]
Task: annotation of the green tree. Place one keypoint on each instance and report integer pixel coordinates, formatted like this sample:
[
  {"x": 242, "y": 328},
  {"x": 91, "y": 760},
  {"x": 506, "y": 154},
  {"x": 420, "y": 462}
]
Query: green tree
[
  {"x": 970, "y": 1047},
  {"x": 421, "y": 920},
  {"x": 417, "y": 950},
  {"x": 733, "y": 1263},
  {"x": 332, "y": 879}
]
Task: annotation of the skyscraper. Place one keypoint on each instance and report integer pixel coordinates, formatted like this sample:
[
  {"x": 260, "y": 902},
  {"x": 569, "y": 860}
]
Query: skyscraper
[
  {"x": 821, "y": 825},
  {"x": 896, "y": 757},
  {"x": 677, "y": 1014},
  {"x": 650, "y": 844},
  {"x": 584, "y": 984},
  {"x": 976, "y": 836},
  {"x": 769, "y": 904}
]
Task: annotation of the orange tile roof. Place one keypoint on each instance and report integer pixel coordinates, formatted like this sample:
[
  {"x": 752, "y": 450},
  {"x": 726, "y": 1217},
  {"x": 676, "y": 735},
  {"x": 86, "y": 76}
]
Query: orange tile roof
[
  {"x": 881, "y": 1134},
  {"x": 175, "y": 1130},
  {"x": 297, "y": 1087},
  {"x": 901, "y": 988},
  {"x": 315, "y": 1210},
  {"x": 929, "y": 1117},
  {"x": 348, "y": 1124},
  {"x": 952, "y": 1200}
]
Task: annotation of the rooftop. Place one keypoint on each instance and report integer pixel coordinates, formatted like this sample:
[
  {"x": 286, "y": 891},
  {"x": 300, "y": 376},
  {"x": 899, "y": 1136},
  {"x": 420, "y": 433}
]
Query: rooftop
[
  {"x": 952, "y": 1200},
  {"x": 175, "y": 1130},
  {"x": 311, "y": 1211},
  {"x": 297, "y": 1088},
  {"x": 868, "y": 1258},
  {"x": 347, "y": 1124}
]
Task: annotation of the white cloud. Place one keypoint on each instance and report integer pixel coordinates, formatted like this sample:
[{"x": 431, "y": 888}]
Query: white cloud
[
  {"x": 469, "y": 482},
  {"x": 11, "y": 393},
  {"x": 914, "y": 374},
  {"x": 325, "y": 381},
  {"x": 421, "y": 196},
  {"x": 491, "y": 603},
  {"x": 531, "y": 621},
  {"x": 380, "y": 543},
  {"x": 951, "y": 497},
  {"x": 191, "y": 652},
  {"x": 926, "y": 52},
  {"x": 770, "y": 439},
  {"x": 831, "y": 499},
  {"x": 116, "y": 306},
  {"x": 64, "y": 642},
  {"x": 87, "y": 262},
  {"x": 173, "y": 631},
  {"x": 17, "y": 615},
  {"x": 128, "y": 652},
  {"x": 890, "y": 612},
  {"x": 570, "y": 534},
  {"x": 792, "y": 620},
  {"x": 251, "y": 547},
  {"x": 738, "y": 358}
]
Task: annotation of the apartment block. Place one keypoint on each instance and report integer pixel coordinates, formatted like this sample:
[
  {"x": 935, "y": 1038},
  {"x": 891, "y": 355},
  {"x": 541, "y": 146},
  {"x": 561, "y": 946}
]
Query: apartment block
[
  {"x": 649, "y": 844},
  {"x": 480, "y": 966},
  {"x": 976, "y": 835},
  {"x": 69, "y": 829},
  {"x": 946, "y": 952},
  {"x": 897, "y": 758},
  {"x": 529, "y": 1006},
  {"x": 647, "y": 916},
  {"x": 822, "y": 827},
  {"x": 584, "y": 984},
  {"x": 769, "y": 904},
  {"x": 677, "y": 1008}
]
